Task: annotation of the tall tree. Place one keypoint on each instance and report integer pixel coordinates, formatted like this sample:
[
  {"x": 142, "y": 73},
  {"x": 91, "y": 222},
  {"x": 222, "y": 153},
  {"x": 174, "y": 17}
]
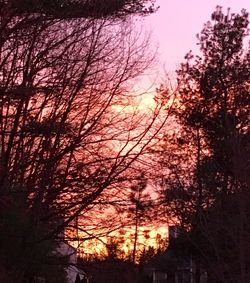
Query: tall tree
[
  {"x": 141, "y": 210},
  {"x": 215, "y": 94},
  {"x": 213, "y": 110},
  {"x": 67, "y": 136}
]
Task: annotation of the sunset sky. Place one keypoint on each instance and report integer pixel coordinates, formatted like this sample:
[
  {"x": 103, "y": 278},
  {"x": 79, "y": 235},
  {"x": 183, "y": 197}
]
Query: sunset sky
[{"x": 175, "y": 25}]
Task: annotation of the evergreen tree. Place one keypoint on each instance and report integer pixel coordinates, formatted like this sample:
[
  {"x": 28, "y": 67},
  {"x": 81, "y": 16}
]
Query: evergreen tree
[{"x": 213, "y": 112}]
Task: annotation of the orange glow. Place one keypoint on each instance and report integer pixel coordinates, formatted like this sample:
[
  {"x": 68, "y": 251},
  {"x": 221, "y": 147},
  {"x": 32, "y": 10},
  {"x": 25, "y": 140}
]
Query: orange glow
[{"x": 147, "y": 237}]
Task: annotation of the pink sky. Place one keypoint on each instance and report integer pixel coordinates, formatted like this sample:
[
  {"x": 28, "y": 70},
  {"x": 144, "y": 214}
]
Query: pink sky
[{"x": 177, "y": 22}]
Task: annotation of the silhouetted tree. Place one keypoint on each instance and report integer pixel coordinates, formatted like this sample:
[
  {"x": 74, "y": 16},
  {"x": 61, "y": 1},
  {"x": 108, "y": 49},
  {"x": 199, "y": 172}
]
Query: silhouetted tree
[
  {"x": 67, "y": 136},
  {"x": 214, "y": 92},
  {"x": 212, "y": 157},
  {"x": 140, "y": 211}
]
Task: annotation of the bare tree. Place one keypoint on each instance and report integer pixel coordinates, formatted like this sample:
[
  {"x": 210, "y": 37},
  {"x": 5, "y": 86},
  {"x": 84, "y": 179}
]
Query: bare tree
[{"x": 68, "y": 138}]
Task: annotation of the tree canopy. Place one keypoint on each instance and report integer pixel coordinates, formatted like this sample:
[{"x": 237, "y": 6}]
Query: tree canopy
[{"x": 80, "y": 8}]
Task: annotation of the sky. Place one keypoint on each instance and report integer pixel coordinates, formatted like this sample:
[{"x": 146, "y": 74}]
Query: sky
[
  {"x": 173, "y": 29},
  {"x": 176, "y": 23}
]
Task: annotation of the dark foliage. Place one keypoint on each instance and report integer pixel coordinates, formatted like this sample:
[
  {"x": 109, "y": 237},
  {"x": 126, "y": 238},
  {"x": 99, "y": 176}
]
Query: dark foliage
[
  {"x": 80, "y": 9},
  {"x": 209, "y": 193}
]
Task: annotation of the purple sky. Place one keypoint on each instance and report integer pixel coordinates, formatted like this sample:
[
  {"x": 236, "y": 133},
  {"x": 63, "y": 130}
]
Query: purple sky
[{"x": 177, "y": 22}]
